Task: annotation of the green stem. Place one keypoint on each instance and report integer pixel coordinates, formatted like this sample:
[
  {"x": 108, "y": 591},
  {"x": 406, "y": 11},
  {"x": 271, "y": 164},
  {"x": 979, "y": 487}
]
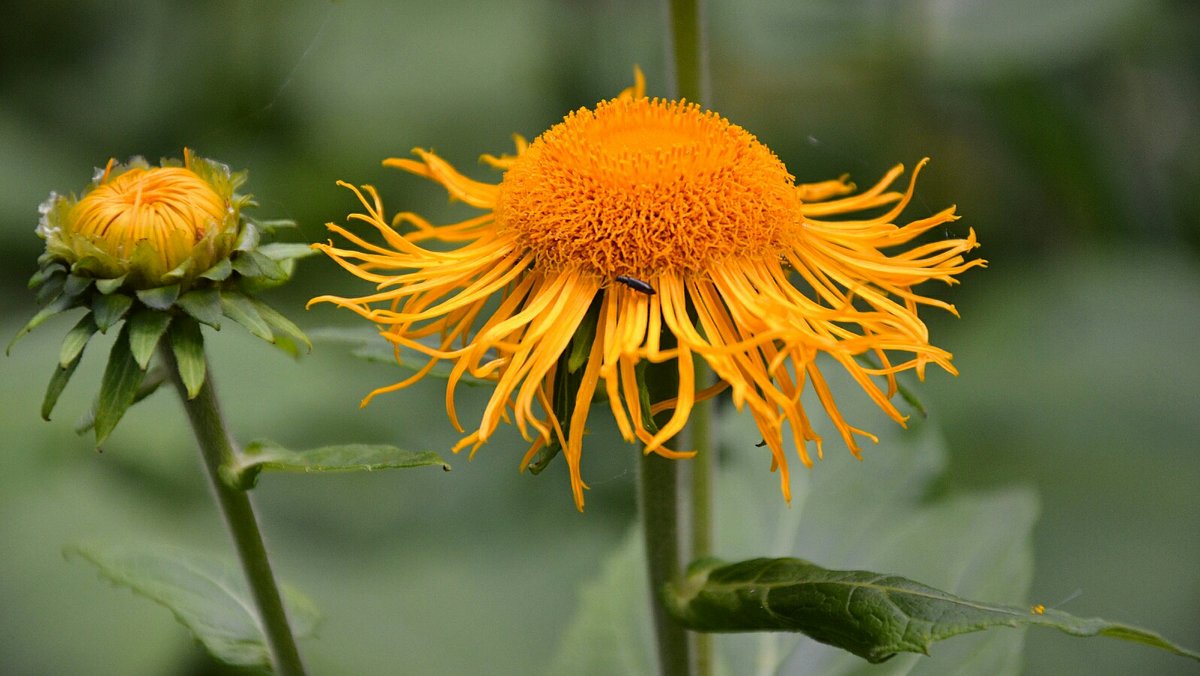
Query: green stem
[
  {"x": 702, "y": 466},
  {"x": 689, "y": 68},
  {"x": 217, "y": 449},
  {"x": 688, "y": 51},
  {"x": 660, "y": 508},
  {"x": 658, "y": 484}
]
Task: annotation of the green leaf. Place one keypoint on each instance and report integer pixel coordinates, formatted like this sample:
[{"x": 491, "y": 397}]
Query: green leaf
[
  {"x": 68, "y": 359},
  {"x": 248, "y": 238},
  {"x": 159, "y": 298},
  {"x": 566, "y": 384},
  {"x": 204, "y": 305},
  {"x": 109, "y": 310},
  {"x": 875, "y": 513},
  {"x": 288, "y": 336},
  {"x": 179, "y": 272},
  {"x": 90, "y": 264},
  {"x": 240, "y": 309},
  {"x": 76, "y": 339},
  {"x": 254, "y": 264},
  {"x": 45, "y": 273},
  {"x": 118, "y": 386},
  {"x": 268, "y": 455},
  {"x": 208, "y": 596},
  {"x": 581, "y": 342},
  {"x": 187, "y": 343},
  {"x": 146, "y": 326},
  {"x": 76, "y": 285},
  {"x": 107, "y": 286},
  {"x": 58, "y": 382},
  {"x": 281, "y": 251},
  {"x": 50, "y": 287},
  {"x": 219, "y": 272},
  {"x": 869, "y": 614},
  {"x": 154, "y": 379},
  {"x": 59, "y": 304},
  {"x": 644, "y": 398},
  {"x": 271, "y": 225}
]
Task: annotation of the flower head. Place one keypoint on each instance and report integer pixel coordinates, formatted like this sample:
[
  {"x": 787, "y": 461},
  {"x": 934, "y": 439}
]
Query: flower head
[
  {"x": 150, "y": 225},
  {"x": 162, "y": 249},
  {"x": 639, "y": 218}
]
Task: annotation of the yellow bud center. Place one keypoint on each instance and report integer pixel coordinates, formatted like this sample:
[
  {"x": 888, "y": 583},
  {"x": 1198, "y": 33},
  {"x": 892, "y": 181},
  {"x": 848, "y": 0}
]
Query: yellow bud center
[
  {"x": 170, "y": 208},
  {"x": 639, "y": 186}
]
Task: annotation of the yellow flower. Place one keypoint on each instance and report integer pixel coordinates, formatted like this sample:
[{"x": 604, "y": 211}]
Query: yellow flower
[
  {"x": 159, "y": 250},
  {"x": 152, "y": 225},
  {"x": 637, "y": 217}
]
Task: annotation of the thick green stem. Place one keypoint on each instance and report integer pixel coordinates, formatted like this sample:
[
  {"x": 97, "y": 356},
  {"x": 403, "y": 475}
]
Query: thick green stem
[
  {"x": 702, "y": 466},
  {"x": 658, "y": 498},
  {"x": 661, "y": 510},
  {"x": 217, "y": 449}
]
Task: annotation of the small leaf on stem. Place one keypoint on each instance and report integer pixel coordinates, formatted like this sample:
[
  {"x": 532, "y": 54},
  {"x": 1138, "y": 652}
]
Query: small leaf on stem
[{"x": 267, "y": 455}]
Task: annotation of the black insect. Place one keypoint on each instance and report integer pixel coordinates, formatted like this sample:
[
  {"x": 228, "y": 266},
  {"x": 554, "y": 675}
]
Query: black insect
[{"x": 636, "y": 284}]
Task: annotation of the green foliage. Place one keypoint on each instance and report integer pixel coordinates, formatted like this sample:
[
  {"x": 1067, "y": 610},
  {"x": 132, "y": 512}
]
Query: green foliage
[
  {"x": 869, "y": 614},
  {"x": 109, "y": 309},
  {"x": 59, "y": 304},
  {"x": 238, "y": 307},
  {"x": 286, "y": 335},
  {"x": 146, "y": 326},
  {"x": 976, "y": 545},
  {"x": 187, "y": 344},
  {"x": 68, "y": 359},
  {"x": 267, "y": 455},
  {"x": 159, "y": 298},
  {"x": 207, "y": 596},
  {"x": 118, "y": 387},
  {"x": 204, "y": 305}
]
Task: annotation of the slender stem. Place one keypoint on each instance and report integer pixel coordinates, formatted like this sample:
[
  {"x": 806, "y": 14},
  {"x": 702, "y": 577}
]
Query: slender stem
[
  {"x": 660, "y": 507},
  {"x": 688, "y": 50},
  {"x": 689, "y": 70},
  {"x": 700, "y": 427},
  {"x": 658, "y": 484},
  {"x": 217, "y": 449},
  {"x": 702, "y": 466}
]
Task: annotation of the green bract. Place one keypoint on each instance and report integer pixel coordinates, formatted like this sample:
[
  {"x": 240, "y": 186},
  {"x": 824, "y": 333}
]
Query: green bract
[{"x": 163, "y": 249}]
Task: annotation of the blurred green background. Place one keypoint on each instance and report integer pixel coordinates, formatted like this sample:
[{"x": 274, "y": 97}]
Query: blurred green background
[{"x": 1065, "y": 130}]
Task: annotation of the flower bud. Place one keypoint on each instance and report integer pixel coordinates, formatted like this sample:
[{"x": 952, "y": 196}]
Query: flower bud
[{"x": 150, "y": 225}]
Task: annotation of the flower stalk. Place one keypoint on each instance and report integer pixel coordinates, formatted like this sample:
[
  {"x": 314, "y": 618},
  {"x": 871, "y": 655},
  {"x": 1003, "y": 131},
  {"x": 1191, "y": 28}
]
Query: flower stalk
[
  {"x": 703, "y": 467},
  {"x": 217, "y": 450},
  {"x": 662, "y": 505},
  {"x": 661, "y": 511}
]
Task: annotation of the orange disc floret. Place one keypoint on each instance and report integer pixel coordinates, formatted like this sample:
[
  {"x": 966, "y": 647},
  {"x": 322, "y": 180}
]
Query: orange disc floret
[{"x": 638, "y": 186}]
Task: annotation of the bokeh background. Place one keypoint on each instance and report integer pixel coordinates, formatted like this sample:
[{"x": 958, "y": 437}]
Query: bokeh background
[{"x": 1065, "y": 130}]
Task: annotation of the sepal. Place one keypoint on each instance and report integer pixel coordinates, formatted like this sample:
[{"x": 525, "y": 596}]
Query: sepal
[{"x": 118, "y": 386}]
